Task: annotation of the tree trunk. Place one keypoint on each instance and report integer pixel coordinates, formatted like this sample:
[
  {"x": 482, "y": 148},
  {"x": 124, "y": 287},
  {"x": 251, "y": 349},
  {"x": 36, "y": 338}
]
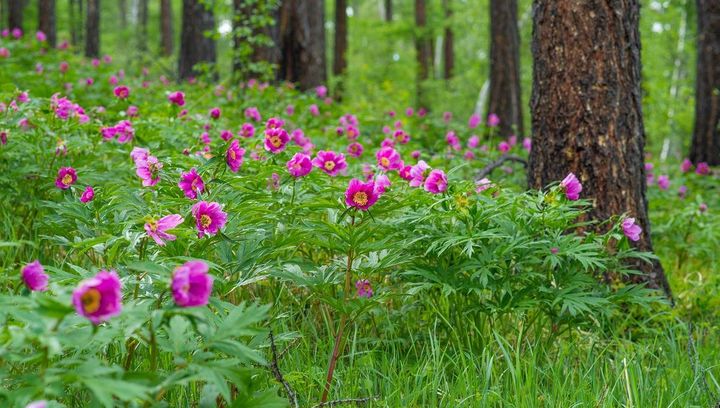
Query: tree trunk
[
  {"x": 302, "y": 43},
  {"x": 195, "y": 47},
  {"x": 92, "y": 25},
  {"x": 122, "y": 10},
  {"x": 388, "y": 11},
  {"x": 448, "y": 50},
  {"x": 46, "y": 20},
  {"x": 706, "y": 134},
  {"x": 166, "y": 27},
  {"x": 15, "y": 14},
  {"x": 341, "y": 40},
  {"x": 587, "y": 110},
  {"x": 143, "y": 26},
  {"x": 422, "y": 50},
  {"x": 505, "y": 94}
]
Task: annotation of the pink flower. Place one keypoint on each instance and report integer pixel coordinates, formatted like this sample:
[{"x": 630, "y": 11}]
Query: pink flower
[
  {"x": 483, "y": 184},
  {"x": 330, "y": 162},
  {"x": 252, "y": 113},
  {"x": 191, "y": 284},
  {"x": 156, "y": 229},
  {"x": 469, "y": 155},
  {"x": 418, "y": 173},
  {"x": 702, "y": 208},
  {"x": 40, "y": 36},
  {"x": 355, "y": 149},
  {"x": 215, "y": 113},
  {"x": 314, "y": 110},
  {"x": 387, "y": 143},
  {"x": 452, "y": 139},
  {"x": 122, "y": 92},
  {"x": 415, "y": 154},
  {"x": 177, "y": 98},
  {"x": 493, "y": 120},
  {"x": 138, "y": 153},
  {"x": 401, "y": 136},
  {"x": 473, "y": 142},
  {"x": 65, "y": 178},
  {"x": 148, "y": 170},
  {"x": 702, "y": 168},
  {"x": 474, "y": 121},
  {"x": 191, "y": 184},
  {"x": 4, "y": 52},
  {"x": 132, "y": 111},
  {"x": 226, "y": 135},
  {"x": 276, "y": 140},
  {"x": 321, "y": 91},
  {"x": 527, "y": 144},
  {"x": 364, "y": 289},
  {"x": 389, "y": 159},
  {"x": 447, "y": 116},
  {"x": 99, "y": 298},
  {"x": 663, "y": 182},
  {"x": 34, "y": 277},
  {"x": 682, "y": 191},
  {"x": 247, "y": 131},
  {"x": 234, "y": 156},
  {"x": 686, "y": 166},
  {"x": 87, "y": 195},
  {"x": 16, "y": 32},
  {"x": 300, "y": 165},
  {"x": 504, "y": 147},
  {"x": 572, "y": 187},
  {"x": 274, "y": 123},
  {"x": 404, "y": 173},
  {"x": 512, "y": 140},
  {"x": 382, "y": 182},
  {"x": 360, "y": 195},
  {"x": 631, "y": 230},
  {"x": 3, "y": 137},
  {"x": 209, "y": 218},
  {"x": 409, "y": 112},
  {"x": 290, "y": 110},
  {"x": 64, "y": 66},
  {"x": 436, "y": 182}
]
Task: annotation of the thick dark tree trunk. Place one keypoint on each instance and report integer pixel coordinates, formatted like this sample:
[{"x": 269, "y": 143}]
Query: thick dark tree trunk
[
  {"x": 302, "y": 43},
  {"x": 243, "y": 15},
  {"x": 587, "y": 109},
  {"x": 195, "y": 47},
  {"x": 92, "y": 32},
  {"x": 75, "y": 20},
  {"x": 142, "y": 25},
  {"x": 423, "y": 49},
  {"x": 706, "y": 135},
  {"x": 341, "y": 40},
  {"x": 46, "y": 20},
  {"x": 15, "y": 13},
  {"x": 505, "y": 94},
  {"x": 166, "y": 27},
  {"x": 388, "y": 11},
  {"x": 448, "y": 50}
]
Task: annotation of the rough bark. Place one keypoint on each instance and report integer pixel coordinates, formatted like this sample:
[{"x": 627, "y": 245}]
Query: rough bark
[
  {"x": 341, "y": 40},
  {"x": 448, "y": 41},
  {"x": 423, "y": 49},
  {"x": 388, "y": 11},
  {"x": 166, "y": 27},
  {"x": 706, "y": 134},
  {"x": 302, "y": 43},
  {"x": 15, "y": 13},
  {"x": 92, "y": 26},
  {"x": 505, "y": 96},
  {"x": 46, "y": 20},
  {"x": 587, "y": 110},
  {"x": 195, "y": 47}
]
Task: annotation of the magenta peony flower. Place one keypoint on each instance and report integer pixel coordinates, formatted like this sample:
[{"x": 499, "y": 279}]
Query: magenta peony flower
[
  {"x": 300, "y": 165},
  {"x": 527, "y": 144},
  {"x": 401, "y": 136},
  {"x": 87, "y": 195},
  {"x": 682, "y": 191},
  {"x": 209, "y": 218},
  {"x": 3, "y": 137},
  {"x": 483, "y": 184},
  {"x": 355, "y": 149},
  {"x": 215, "y": 113},
  {"x": 122, "y": 92},
  {"x": 473, "y": 142},
  {"x": 290, "y": 110},
  {"x": 191, "y": 183},
  {"x": 702, "y": 169},
  {"x": 40, "y": 36},
  {"x": 148, "y": 170},
  {"x": 504, "y": 147},
  {"x": 389, "y": 159},
  {"x": 99, "y": 298},
  {"x": 493, "y": 120},
  {"x": 65, "y": 178},
  {"x": 132, "y": 111},
  {"x": 452, "y": 139},
  {"x": 404, "y": 173},
  {"x": 409, "y": 112},
  {"x": 276, "y": 140},
  {"x": 226, "y": 135},
  {"x": 138, "y": 153},
  {"x": 686, "y": 166},
  {"x": 631, "y": 230},
  {"x": 177, "y": 98},
  {"x": 234, "y": 156},
  {"x": 663, "y": 182},
  {"x": 330, "y": 162},
  {"x": 252, "y": 113},
  {"x": 474, "y": 121},
  {"x": 274, "y": 123},
  {"x": 447, "y": 117},
  {"x": 17, "y": 32},
  {"x": 34, "y": 276},
  {"x": 436, "y": 182},
  {"x": 364, "y": 289},
  {"x": 360, "y": 195},
  {"x": 156, "y": 229},
  {"x": 248, "y": 130},
  {"x": 382, "y": 182},
  {"x": 418, "y": 173},
  {"x": 321, "y": 91},
  {"x": 4, "y": 52},
  {"x": 191, "y": 284},
  {"x": 572, "y": 187},
  {"x": 314, "y": 110}
]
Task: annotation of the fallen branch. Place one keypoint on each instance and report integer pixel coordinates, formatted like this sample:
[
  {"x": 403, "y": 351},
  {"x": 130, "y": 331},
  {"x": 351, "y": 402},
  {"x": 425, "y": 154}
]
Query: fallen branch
[
  {"x": 499, "y": 162},
  {"x": 356, "y": 401},
  {"x": 275, "y": 369}
]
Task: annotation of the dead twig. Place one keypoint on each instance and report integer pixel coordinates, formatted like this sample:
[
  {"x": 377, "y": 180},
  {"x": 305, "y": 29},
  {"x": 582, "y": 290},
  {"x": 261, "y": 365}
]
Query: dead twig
[
  {"x": 499, "y": 162},
  {"x": 356, "y": 401},
  {"x": 275, "y": 369}
]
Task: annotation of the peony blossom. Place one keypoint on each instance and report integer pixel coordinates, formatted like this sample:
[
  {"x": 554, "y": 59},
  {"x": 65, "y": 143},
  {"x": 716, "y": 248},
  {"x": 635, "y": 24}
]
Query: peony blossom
[
  {"x": 702, "y": 169},
  {"x": 191, "y": 284},
  {"x": 382, "y": 182},
  {"x": 436, "y": 182},
  {"x": 121, "y": 92},
  {"x": 474, "y": 121},
  {"x": 314, "y": 110},
  {"x": 252, "y": 113},
  {"x": 631, "y": 230},
  {"x": 87, "y": 195},
  {"x": 148, "y": 170},
  {"x": 364, "y": 290},
  {"x": 34, "y": 277},
  {"x": 300, "y": 165},
  {"x": 527, "y": 144},
  {"x": 234, "y": 156},
  {"x": 215, "y": 113},
  {"x": 389, "y": 159},
  {"x": 209, "y": 218},
  {"x": 177, "y": 98},
  {"x": 276, "y": 140},
  {"x": 572, "y": 187},
  {"x": 65, "y": 178},
  {"x": 483, "y": 184},
  {"x": 330, "y": 162},
  {"x": 157, "y": 229},
  {"x": 360, "y": 195},
  {"x": 686, "y": 166},
  {"x": 191, "y": 184},
  {"x": 493, "y": 120},
  {"x": 504, "y": 147},
  {"x": 418, "y": 173},
  {"x": 663, "y": 182},
  {"x": 355, "y": 149},
  {"x": 247, "y": 131},
  {"x": 99, "y": 298}
]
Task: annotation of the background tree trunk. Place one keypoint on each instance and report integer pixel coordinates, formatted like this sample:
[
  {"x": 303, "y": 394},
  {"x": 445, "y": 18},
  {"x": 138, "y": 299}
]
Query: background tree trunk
[
  {"x": 142, "y": 26},
  {"x": 195, "y": 47},
  {"x": 388, "y": 11},
  {"x": 46, "y": 20},
  {"x": 166, "y": 27},
  {"x": 122, "y": 10},
  {"x": 15, "y": 14},
  {"x": 423, "y": 49},
  {"x": 505, "y": 93},
  {"x": 341, "y": 40},
  {"x": 302, "y": 43},
  {"x": 92, "y": 25},
  {"x": 706, "y": 134},
  {"x": 448, "y": 50},
  {"x": 587, "y": 110}
]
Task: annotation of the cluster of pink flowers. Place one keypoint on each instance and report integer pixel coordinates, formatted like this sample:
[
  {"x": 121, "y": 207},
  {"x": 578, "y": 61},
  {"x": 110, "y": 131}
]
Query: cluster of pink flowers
[
  {"x": 123, "y": 131},
  {"x": 65, "y": 109},
  {"x": 434, "y": 181}
]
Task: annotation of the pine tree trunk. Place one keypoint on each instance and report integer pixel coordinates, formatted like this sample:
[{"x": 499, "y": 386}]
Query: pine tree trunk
[
  {"x": 143, "y": 26},
  {"x": 341, "y": 40},
  {"x": 505, "y": 96},
  {"x": 706, "y": 134},
  {"x": 422, "y": 50},
  {"x": 166, "y": 27},
  {"x": 388, "y": 11},
  {"x": 587, "y": 110},
  {"x": 15, "y": 13},
  {"x": 92, "y": 25},
  {"x": 195, "y": 48},
  {"x": 46, "y": 20},
  {"x": 302, "y": 41},
  {"x": 448, "y": 50}
]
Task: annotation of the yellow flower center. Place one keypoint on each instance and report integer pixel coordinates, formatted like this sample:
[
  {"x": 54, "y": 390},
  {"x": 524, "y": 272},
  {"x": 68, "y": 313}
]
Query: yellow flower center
[
  {"x": 329, "y": 165},
  {"x": 205, "y": 220},
  {"x": 90, "y": 300},
  {"x": 233, "y": 156},
  {"x": 67, "y": 179},
  {"x": 360, "y": 198},
  {"x": 385, "y": 162},
  {"x": 275, "y": 141},
  {"x": 194, "y": 184}
]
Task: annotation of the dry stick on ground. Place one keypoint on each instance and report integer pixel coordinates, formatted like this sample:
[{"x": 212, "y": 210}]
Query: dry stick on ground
[
  {"x": 499, "y": 162},
  {"x": 356, "y": 401},
  {"x": 275, "y": 369}
]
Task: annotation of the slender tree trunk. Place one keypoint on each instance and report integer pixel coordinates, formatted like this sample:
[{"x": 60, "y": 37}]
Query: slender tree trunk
[
  {"x": 195, "y": 47},
  {"x": 448, "y": 50},
  {"x": 122, "y": 10},
  {"x": 587, "y": 109},
  {"x": 166, "y": 27},
  {"x": 302, "y": 41},
  {"x": 143, "y": 26},
  {"x": 388, "y": 11},
  {"x": 341, "y": 40},
  {"x": 423, "y": 50},
  {"x": 706, "y": 134},
  {"x": 73, "y": 26},
  {"x": 46, "y": 20},
  {"x": 505, "y": 66},
  {"x": 92, "y": 25},
  {"x": 15, "y": 14}
]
